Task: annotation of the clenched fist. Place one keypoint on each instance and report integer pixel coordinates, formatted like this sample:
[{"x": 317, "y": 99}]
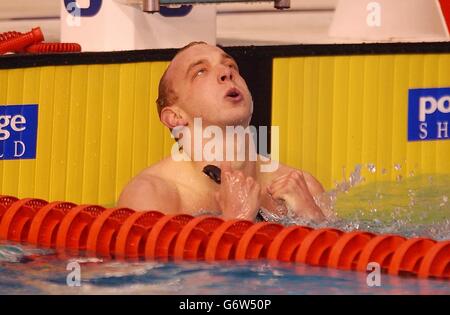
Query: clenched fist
[{"x": 293, "y": 190}]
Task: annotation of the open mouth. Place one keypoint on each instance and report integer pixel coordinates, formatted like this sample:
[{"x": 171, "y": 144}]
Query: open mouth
[{"x": 234, "y": 95}]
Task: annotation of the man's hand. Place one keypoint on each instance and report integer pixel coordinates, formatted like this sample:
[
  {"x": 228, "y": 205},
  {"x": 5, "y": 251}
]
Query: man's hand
[
  {"x": 293, "y": 190},
  {"x": 238, "y": 196}
]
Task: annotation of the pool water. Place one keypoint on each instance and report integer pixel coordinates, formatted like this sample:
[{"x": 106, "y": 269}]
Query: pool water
[
  {"x": 413, "y": 206},
  {"x": 47, "y": 275}
]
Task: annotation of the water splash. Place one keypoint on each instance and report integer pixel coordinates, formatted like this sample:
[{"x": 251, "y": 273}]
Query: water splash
[
  {"x": 412, "y": 206},
  {"x": 371, "y": 167},
  {"x": 408, "y": 206}
]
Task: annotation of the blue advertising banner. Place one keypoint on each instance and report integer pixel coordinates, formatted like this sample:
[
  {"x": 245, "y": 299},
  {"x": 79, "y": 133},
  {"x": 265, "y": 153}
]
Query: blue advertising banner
[{"x": 18, "y": 131}]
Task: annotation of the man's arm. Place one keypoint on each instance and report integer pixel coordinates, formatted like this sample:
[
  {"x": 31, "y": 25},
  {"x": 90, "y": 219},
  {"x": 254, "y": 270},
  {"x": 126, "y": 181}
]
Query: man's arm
[{"x": 148, "y": 192}]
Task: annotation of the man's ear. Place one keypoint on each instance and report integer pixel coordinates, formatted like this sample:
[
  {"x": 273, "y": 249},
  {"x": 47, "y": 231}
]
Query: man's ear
[{"x": 172, "y": 117}]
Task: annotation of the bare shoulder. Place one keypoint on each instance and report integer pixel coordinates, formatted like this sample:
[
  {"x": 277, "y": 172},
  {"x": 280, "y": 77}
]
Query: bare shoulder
[{"x": 148, "y": 191}]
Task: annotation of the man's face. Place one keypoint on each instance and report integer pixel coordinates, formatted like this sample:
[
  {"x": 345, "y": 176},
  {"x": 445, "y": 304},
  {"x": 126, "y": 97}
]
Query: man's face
[{"x": 208, "y": 85}]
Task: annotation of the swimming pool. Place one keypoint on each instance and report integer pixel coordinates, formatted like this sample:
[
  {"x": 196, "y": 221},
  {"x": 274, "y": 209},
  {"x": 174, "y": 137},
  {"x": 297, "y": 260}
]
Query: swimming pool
[
  {"x": 414, "y": 206},
  {"x": 47, "y": 275}
]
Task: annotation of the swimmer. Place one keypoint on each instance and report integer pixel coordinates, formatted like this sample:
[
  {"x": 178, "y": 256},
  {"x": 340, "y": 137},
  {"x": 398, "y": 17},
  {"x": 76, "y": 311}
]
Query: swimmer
[{"x": 204, "y": 81}]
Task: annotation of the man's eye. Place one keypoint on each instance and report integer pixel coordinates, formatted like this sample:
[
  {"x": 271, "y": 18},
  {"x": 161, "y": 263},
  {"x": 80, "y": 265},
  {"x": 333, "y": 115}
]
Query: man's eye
[{"x": 200, "y": 72}]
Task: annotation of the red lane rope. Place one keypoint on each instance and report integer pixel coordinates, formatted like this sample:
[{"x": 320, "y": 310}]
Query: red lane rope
[
  {"x": 32, "y": 42},
  {"x": 14, "y": 42},
  {"x": 127, "y": 234},
  {"x": 53, "y": 47}
]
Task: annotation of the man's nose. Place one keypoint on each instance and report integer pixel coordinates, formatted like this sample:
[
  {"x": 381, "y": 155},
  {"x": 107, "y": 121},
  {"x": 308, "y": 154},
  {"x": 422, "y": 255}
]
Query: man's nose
[{"x": 225, "y": 74}]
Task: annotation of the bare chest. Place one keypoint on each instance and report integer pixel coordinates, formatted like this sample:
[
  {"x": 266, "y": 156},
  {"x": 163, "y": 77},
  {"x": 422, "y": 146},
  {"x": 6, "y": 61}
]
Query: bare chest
[{"x": 195, "y": 200}]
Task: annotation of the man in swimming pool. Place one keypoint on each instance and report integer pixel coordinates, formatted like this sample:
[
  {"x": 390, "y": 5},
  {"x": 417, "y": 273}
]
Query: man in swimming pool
[{"x": 203, "y": 81}]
